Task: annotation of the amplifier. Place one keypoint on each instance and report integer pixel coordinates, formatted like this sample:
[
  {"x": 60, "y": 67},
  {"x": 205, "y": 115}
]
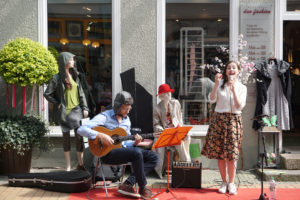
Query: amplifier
[{"x": 186, "y": 175}]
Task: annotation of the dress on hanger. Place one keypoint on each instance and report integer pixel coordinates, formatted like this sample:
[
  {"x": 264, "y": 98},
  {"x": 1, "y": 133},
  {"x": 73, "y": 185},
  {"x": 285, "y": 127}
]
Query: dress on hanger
[
  {"x": 277, "y": 103},
  {"x": 274, "y": 91}
]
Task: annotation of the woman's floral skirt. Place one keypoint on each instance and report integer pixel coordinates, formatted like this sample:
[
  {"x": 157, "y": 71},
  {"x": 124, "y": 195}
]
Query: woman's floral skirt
[{"x": 224, "y": 136}]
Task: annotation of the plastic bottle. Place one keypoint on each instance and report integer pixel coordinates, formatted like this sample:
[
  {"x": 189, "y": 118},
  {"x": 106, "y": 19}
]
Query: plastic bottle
[{"x": 272, "y": 189}]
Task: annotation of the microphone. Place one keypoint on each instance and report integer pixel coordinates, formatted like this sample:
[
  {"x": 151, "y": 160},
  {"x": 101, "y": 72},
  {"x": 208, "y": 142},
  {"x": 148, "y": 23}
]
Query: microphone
[{"x": 231, "y": 79}]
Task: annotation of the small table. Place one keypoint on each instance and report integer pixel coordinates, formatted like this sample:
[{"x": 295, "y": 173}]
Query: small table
[{"x": 276, "y": 146}]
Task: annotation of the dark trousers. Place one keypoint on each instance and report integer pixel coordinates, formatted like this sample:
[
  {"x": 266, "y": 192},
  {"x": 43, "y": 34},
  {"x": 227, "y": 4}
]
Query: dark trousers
[
  {"x": 142, "y": 161},
  {"x": 67, "y": 141}
]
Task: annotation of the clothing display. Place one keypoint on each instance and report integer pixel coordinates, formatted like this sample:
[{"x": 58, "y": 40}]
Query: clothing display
[
  {"x": 88, "y": 94},
  {"x": 172, "y": 117},
  {"x": 55, "y": 93},
  {"x": 274, "y": 90},
  {"x": 277, "y": 103},
  {"x": 66, "y": 93}
]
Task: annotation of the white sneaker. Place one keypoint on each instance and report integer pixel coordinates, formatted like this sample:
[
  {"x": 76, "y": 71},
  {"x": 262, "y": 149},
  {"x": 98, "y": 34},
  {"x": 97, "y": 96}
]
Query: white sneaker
[
  {"x": 232, "y": 188},
  {"x": 223, "y": 188}
]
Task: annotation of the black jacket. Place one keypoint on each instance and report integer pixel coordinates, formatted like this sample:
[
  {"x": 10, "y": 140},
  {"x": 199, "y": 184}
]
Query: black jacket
[
  {"x": 55, "y": 92},
  {"x": 263, "y": 83}
]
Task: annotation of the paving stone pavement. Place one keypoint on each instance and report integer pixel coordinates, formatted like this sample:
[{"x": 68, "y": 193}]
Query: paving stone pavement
[{"x": 210, "y": 179}]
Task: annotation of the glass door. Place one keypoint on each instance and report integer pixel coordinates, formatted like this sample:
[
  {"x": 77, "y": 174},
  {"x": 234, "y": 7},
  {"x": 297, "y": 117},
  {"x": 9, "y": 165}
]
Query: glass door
[{"x": 291, "y": 54}]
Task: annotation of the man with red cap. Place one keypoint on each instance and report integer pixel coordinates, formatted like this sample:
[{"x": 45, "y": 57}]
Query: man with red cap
[{"x": 167, "y": 114}]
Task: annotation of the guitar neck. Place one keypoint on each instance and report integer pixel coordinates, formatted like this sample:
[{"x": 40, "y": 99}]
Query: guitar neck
[{"x": 132, "y": 137}]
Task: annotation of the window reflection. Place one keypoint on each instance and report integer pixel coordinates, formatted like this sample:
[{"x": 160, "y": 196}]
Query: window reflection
[
  {"x": 194, "y": 33},
  {"x": 293, "y": 5},
  {"x": 85, "y": 30}
]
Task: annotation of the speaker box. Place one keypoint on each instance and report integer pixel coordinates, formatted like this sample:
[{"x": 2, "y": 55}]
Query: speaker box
[{"x": 186, "y": 175}]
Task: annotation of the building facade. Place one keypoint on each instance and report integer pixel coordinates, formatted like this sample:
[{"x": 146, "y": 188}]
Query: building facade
[{"x": 165, "y": 41}]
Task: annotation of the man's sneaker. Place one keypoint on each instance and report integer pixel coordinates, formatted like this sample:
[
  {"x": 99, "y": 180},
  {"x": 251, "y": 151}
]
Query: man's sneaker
[
  {"x": 223, "y": 188},
  {"x": 128, "y": 190},
  {"x": 145, "y": 193},
  {"x": 232, "y": 188}
]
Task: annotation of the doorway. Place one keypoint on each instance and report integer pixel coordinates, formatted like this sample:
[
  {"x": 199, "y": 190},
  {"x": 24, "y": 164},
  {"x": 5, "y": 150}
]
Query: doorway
[{"x": 291, "y": 54}]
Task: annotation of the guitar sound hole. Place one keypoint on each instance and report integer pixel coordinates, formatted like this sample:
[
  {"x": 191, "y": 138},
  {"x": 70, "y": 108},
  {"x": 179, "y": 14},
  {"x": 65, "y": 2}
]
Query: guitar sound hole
[{"x": 116, "y": 139}]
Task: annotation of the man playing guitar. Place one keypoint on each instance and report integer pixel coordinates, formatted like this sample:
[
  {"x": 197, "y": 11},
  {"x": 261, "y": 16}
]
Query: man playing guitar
[{"x": 143, "y": 161}]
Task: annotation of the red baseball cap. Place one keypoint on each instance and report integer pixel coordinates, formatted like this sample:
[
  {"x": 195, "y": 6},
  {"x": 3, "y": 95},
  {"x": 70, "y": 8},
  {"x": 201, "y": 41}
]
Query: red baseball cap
[{"x": 164, "y": 88}]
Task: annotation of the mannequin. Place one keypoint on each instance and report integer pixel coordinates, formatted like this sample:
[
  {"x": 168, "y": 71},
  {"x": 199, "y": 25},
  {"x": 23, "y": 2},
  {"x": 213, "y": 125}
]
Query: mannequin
[
  {"x": 167, "y": 114},
  {"x": 65, "y": 91}
]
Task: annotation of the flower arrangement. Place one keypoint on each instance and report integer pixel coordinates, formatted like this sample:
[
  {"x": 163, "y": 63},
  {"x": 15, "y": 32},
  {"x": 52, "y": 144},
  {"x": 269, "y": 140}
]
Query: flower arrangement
[{"x": 247, "y": 68}]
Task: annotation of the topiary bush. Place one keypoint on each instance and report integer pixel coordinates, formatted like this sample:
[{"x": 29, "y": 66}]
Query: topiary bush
[{"x": 25, "y": 62}]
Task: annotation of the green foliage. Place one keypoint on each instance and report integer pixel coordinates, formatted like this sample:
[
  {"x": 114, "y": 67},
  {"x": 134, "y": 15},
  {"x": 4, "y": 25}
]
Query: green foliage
[
  {"x": 54, "y": 52},
  {"x": 25, "y": 62},
  {"x": 20, "y": 132}
]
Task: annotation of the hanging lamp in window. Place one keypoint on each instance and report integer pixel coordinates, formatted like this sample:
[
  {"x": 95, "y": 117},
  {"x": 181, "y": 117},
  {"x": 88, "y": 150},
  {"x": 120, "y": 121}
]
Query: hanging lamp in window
[
  {"x": 95, "y": 44},
  {"x": 86, "y": 42},
  {"x": 64, "y": 41}
]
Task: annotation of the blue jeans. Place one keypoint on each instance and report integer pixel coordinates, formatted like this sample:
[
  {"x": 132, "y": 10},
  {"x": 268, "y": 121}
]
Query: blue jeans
[{"x": 142, "y": 161}]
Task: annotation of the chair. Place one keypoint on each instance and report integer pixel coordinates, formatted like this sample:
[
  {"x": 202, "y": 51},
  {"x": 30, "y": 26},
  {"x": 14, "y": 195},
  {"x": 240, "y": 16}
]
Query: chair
[{"x": 99, "y": 162}]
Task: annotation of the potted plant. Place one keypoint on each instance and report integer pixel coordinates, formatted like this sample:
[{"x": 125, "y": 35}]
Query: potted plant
[
  {"x": 24, "y": 63},
  {"x": 17, "y": 136}
]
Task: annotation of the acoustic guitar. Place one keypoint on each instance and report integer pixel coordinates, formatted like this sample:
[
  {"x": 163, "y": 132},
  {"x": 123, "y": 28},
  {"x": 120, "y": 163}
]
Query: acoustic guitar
[{"x": 118, "y": 135}]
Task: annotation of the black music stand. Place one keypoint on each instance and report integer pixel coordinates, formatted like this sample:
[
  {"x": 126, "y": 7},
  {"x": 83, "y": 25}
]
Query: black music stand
[
  {"x": 263, "y": 155},
  {"x": 170, "y": 137}
]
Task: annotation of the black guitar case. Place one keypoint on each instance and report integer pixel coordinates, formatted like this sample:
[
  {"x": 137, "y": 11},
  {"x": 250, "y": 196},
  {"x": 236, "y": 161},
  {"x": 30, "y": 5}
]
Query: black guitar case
[{"x": 60, "y": 181}]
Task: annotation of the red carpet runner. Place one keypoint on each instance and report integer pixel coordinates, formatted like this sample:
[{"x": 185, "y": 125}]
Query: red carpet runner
[{"x": 194, "y": 194}]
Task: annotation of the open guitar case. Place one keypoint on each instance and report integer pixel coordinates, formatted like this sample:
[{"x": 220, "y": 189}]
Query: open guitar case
[{"x": 59, "y": 181}]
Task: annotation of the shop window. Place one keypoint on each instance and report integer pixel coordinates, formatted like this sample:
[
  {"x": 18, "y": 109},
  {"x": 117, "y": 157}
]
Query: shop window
[
  {"x": 291, "y": 54},
  {"x": 84, "y": 29},
  {"x": 195, "y": 31},
  {"x": 293, "y": 5}
]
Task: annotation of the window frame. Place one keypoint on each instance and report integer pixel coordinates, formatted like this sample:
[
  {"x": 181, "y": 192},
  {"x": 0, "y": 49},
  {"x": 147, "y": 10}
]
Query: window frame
[
  {"x": 197, "y": 130},
  {"x": 116, "y": 52}
]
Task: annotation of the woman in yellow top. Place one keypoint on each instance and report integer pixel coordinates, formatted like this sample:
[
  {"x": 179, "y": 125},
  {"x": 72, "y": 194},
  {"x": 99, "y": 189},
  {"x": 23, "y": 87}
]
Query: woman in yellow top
[{"x": 65, "y": 91}]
